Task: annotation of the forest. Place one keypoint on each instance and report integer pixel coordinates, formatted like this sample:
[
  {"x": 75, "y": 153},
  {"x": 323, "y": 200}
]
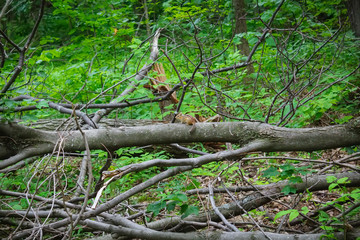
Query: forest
[{"x": 180, "y": 119}]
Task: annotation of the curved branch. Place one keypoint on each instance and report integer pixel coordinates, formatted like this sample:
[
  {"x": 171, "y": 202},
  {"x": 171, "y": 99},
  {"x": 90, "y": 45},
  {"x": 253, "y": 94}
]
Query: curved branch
[
  {"x": 114, "y": 105},
  {"x": 22, "y": 52}
]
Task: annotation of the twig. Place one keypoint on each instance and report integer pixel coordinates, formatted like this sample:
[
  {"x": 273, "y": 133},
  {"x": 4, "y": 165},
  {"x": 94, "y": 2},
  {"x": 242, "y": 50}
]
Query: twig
[{"x": 216, "y": 210}]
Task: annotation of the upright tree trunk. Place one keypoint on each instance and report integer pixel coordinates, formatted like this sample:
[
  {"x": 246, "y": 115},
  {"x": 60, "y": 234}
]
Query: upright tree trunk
[
  {"x": 148, "y": 31},
  {"x": 353, "y": 7},
  {"x": 240, "y": 27}
]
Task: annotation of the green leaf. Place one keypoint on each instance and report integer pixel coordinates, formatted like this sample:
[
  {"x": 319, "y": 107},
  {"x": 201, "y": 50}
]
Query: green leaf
[
  {"x": 17, "y": 207},
  {"x": 42, "y": 104},
  {"x": 305, "y": 210},
  {"x": 271, "y": 172},
  {"x": 8, "y": 103},
  {"x": 327, "y": 228},
  {"x": 194, "y": 184},
  {"x": 330, "y": 179},
  {"x": 355, "y": 194},
  {"x": 189, "y": 211},
  {"x": 287, "y": 167},
  {"x": 282, "y": 213},
  {"x": 22, "y": 91},
  {"x": 288, "y": 189},
  {"x": 29, "y": 118},
  {"x": 171, "y": 205},
  {"x": 296, "y": 179},
  {"x": 323, "y": 216},
  {"x": 181, "y": 197},
  {"x": 293, "y": 215},
  {"x": 332, "y": 186},
  {"x": 156, "y": 207},
  {"x": 270, "y": 41},
  {"x": 343, "y": 180}
]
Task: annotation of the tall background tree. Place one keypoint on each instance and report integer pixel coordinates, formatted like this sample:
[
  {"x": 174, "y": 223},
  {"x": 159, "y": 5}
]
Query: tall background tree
[
  {"x": 353, "y": 8},
  {"x": 241, "y": 29}
]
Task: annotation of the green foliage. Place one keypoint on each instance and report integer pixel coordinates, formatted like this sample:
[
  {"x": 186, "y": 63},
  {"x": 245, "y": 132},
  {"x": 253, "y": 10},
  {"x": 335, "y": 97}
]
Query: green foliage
[
  {"x": 287, "y": 171},
  {"x": 293, "y": 213},
  {"x": 127, "y": 156},
  {"x": 84, "y": 47},
  {"x": 12, "y": 182},
  {"x": 170, "y": 202},
  {"x": 336, "y": 182},
  {"x": 340, "y": 203}
]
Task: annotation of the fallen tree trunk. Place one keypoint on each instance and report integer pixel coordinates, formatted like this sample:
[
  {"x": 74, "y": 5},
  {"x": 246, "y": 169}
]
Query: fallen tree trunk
[
  {"x": 18, "y": 142},
  {"x": 120, "y": 225},
  {"x": 257, "y": 199}
]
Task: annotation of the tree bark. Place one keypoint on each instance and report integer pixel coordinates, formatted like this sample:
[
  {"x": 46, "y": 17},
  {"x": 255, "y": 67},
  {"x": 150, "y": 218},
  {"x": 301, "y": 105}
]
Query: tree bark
[
  {"x": 240, "y": 27},
  {"x": 254, "y": 200},
  {"x": 353, "y": 7},
  {"x": 18, "y": 142},
  {"x": 146, "y": 12},
  {"x": 120, "y": 225}
]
